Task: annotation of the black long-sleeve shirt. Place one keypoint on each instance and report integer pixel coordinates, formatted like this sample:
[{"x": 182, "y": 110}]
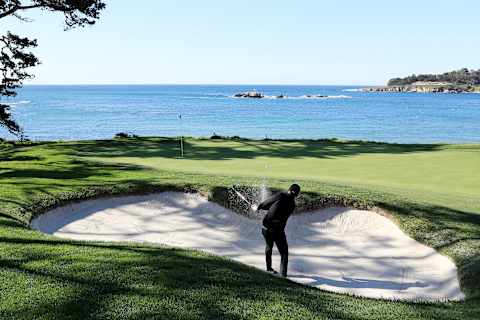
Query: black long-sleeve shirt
[{"x": 280, "y": 206}]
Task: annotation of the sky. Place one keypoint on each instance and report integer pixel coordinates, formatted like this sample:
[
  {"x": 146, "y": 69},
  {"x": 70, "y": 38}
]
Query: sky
[{"x": 342, "y": 42}]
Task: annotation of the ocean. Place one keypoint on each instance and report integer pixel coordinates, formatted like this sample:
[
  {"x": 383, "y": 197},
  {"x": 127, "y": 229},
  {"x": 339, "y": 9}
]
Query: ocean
[{"x": 101, "y": 111}]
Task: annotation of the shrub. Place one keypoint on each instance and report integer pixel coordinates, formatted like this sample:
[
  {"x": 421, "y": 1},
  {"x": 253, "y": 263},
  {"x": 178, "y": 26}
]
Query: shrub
[{"x": 124, "y": 135}]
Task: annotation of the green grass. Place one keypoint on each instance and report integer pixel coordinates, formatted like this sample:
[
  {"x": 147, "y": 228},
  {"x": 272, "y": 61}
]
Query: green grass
[
  {"x": 440, "y": 174},
  {"x": 430, "y": 190}
]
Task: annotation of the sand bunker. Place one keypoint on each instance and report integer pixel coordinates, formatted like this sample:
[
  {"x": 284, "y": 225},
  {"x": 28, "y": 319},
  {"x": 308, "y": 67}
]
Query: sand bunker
[{"x": 337, "y": 249}]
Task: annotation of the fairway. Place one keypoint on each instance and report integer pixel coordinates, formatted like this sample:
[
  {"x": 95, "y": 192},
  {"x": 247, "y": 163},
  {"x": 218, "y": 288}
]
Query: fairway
[{"x": 429, "y": 191}]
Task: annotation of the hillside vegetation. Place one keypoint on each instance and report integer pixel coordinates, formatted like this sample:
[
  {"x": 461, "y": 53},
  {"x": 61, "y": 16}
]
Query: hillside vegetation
[{"x": 458, "y": 77}]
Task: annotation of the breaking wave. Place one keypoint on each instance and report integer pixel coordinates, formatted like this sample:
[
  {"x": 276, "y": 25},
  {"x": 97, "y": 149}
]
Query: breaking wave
[
  {"x": 304, "y": 97},
  {"x": 18, "y": 103},
  {"x": 328, "y": 97}
]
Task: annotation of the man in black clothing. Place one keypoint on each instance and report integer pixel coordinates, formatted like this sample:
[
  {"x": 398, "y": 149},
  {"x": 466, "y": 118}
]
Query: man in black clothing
[{"x": 280, "y": 207}]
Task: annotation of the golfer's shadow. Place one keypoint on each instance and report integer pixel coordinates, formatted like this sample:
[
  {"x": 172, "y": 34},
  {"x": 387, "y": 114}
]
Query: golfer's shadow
[{"x": 357, "y": 283}]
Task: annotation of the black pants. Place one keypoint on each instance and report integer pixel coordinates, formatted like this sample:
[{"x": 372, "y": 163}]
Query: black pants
[{"x": 280, "y": 240}]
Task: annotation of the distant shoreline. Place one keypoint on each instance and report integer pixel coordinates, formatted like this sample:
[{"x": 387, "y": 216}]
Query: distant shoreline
[
  {"x": 429, "y": 88},
  {"x": 458, "y": 81}
]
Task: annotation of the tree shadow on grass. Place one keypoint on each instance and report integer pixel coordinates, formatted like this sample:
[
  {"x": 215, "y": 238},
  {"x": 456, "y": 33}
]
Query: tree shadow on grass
[
  {"x": 13, "y": 152},
  {"x": 37, "y": 183},
  {"x": 11, "y": 222},
  {"x": 73, "y": 169},
  {"x": 131, "y": 282},
  {"x": 243, "y": 149},
  {"x": 193, "y": 284},
  {"x": 4, "y": 158}
]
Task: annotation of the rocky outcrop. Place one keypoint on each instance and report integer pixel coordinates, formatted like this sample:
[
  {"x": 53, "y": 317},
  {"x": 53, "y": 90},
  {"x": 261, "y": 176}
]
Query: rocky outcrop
[{"x": 249, "y": 94}]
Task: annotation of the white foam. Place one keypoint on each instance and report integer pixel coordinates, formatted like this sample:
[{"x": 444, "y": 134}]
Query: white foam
[
  {"x": 321, "y": 97},
  {"x": 18, "y": 103},
  {"x": 304, "y": 97}
]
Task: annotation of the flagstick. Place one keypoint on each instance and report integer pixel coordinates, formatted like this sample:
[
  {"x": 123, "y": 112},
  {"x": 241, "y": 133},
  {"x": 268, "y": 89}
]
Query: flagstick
[
  {"x": 181, "y": 144},
  {"x": 181, "y": 134}
]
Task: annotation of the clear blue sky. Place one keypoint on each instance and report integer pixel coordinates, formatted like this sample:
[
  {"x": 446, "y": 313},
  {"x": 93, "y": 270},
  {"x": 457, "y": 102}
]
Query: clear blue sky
[{"x": 259, "y": 42}]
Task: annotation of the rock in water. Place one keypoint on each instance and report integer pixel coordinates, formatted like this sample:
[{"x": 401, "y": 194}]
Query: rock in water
[{"x": 249, "y": 94}]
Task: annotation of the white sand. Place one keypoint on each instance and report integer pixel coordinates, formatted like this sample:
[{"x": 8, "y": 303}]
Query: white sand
[{"x": 338, "y": 249}]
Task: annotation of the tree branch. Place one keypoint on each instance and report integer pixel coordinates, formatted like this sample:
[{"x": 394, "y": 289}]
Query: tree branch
[
  {"x": 15, "y": 59},
  {"x": 8, "y": 12}
]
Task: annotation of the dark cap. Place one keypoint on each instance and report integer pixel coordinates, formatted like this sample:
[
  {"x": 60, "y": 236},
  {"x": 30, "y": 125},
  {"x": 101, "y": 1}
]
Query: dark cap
[{"x": 295, "y": 189}]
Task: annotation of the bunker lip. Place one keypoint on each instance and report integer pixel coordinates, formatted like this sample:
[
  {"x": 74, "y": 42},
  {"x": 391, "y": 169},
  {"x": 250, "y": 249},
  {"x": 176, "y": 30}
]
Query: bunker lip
[{"x": 336, "y": 249}]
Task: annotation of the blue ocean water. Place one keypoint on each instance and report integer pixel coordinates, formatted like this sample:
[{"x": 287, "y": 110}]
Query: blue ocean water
[{"x": 97, "y": 112}]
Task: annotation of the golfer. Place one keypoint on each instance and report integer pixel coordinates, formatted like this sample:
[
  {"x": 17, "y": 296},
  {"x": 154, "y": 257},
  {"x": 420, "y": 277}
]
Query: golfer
[{"x": 280, "y": 207}]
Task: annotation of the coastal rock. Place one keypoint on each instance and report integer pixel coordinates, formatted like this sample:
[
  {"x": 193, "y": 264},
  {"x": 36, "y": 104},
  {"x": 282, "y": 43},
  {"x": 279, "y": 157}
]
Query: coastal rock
[{"x": 249, "y": 94}]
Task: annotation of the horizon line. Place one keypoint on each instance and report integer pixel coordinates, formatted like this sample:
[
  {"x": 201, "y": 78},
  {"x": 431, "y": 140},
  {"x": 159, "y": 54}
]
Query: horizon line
[{"x": 197, "y": 84}]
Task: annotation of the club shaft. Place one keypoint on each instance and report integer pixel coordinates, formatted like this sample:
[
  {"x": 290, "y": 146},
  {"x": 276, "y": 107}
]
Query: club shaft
[{"x": 242, "y": 197}]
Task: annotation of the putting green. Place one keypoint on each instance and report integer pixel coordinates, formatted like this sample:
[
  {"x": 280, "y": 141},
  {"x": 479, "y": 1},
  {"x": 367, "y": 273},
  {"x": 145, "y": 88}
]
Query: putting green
[{"x": 446, "y": 175}]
